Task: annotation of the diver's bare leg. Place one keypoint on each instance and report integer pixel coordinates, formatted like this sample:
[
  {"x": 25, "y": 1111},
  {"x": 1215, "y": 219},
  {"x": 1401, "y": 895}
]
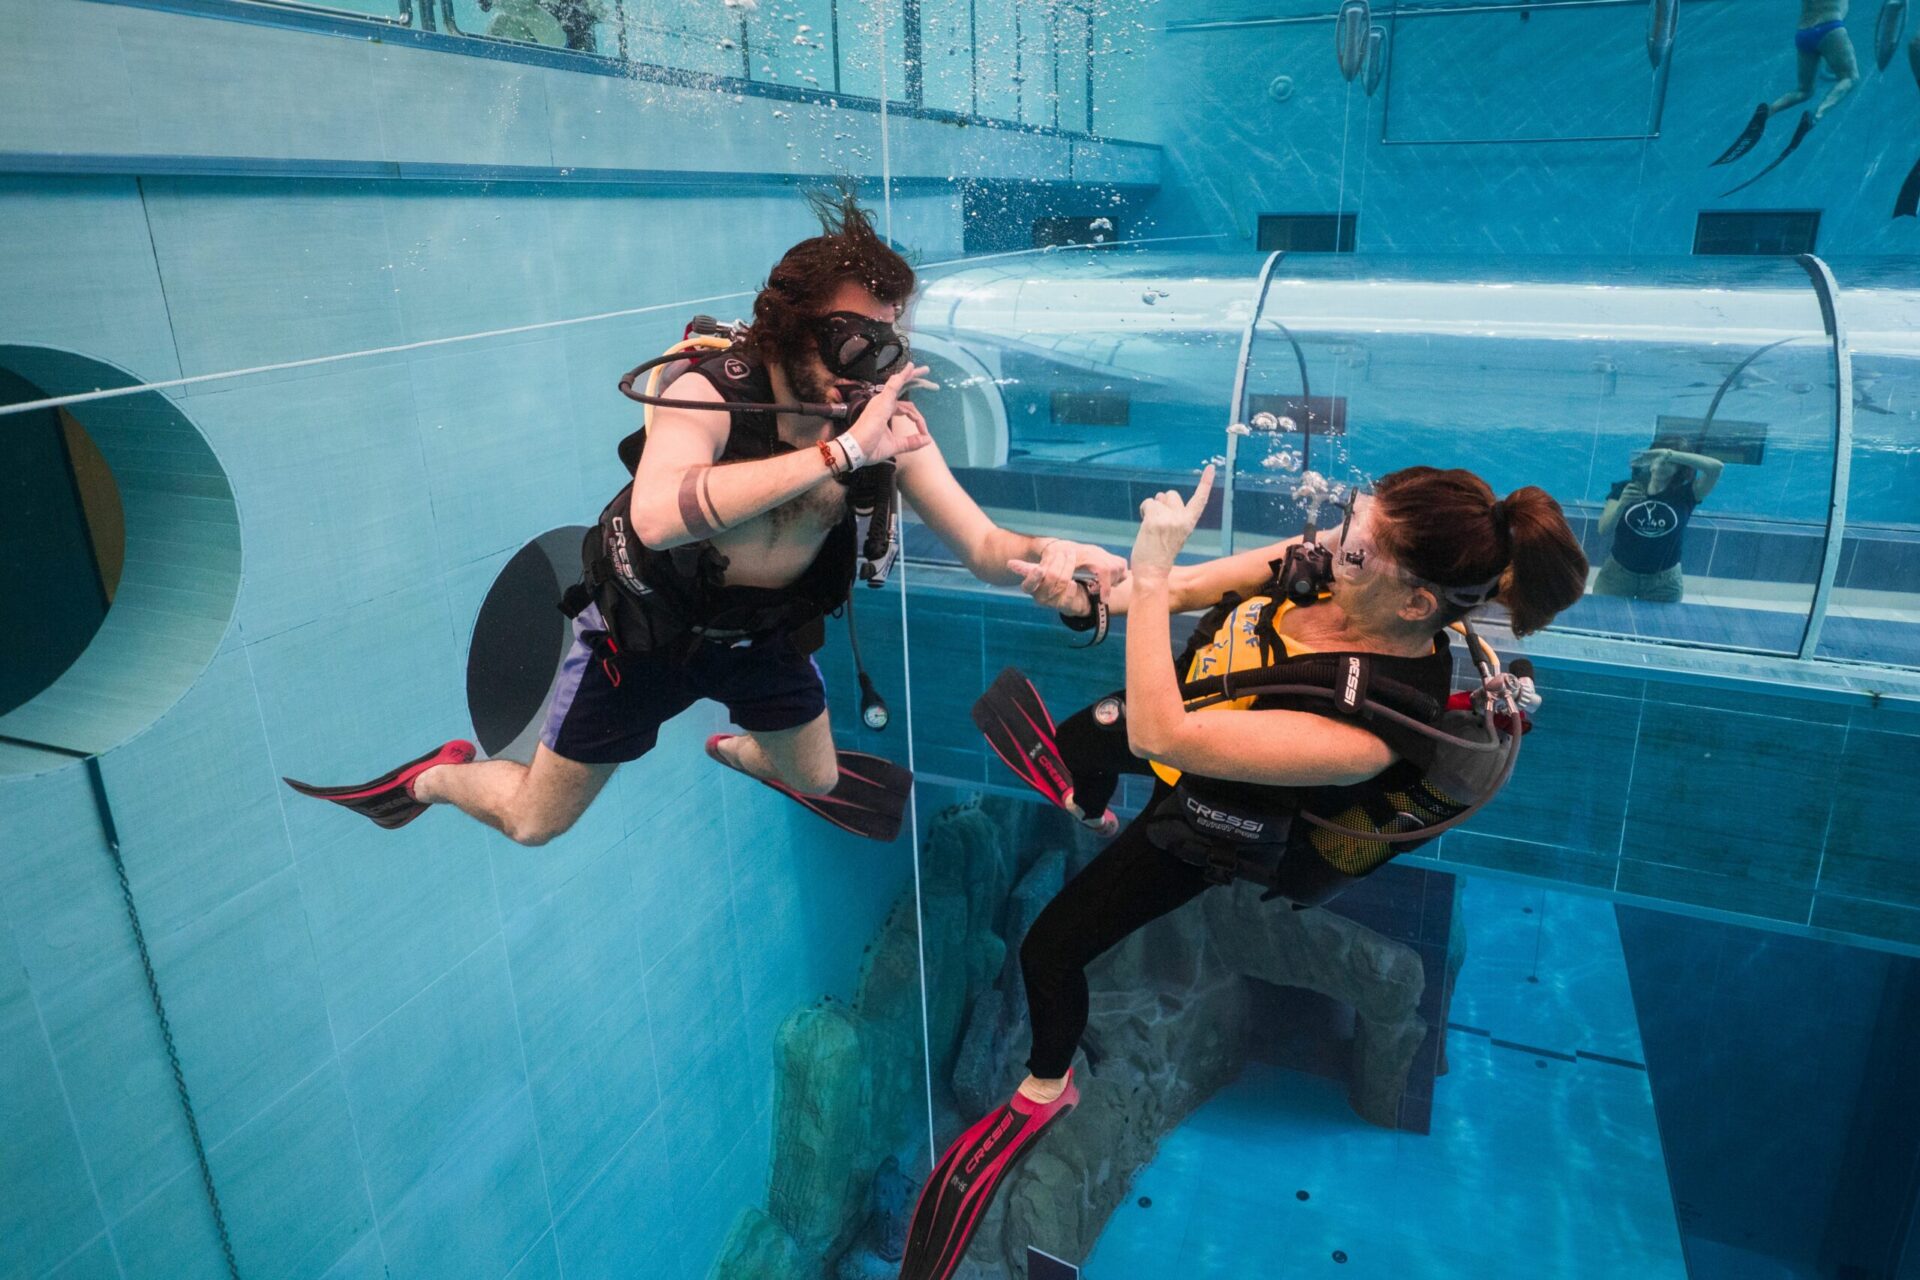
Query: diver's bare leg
[
  {"x": 802, "y": 758},
  {"x": 1837, "y": 49},
  {"x": 1809, "y": 68},
  {"x": 529, "y": 804}
]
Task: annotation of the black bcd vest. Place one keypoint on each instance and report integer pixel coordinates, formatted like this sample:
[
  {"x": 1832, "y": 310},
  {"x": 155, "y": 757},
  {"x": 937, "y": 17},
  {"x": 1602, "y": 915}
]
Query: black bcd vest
[{"x": 675, "y": 600}]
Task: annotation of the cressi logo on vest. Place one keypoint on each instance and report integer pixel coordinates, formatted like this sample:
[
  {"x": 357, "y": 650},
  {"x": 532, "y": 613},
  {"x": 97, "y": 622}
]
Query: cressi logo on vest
[
  {"x": 734, "y": 367},
  {"x": 1231, "y": 824},
  {"x": 1651, "y": 519},
  {"x": 622, "y": 562}
]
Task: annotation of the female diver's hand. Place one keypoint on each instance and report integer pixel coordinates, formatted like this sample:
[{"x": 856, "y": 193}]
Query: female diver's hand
[
  {"x": 1166, "y": 522},
  {"x": 882, "y": 431}
]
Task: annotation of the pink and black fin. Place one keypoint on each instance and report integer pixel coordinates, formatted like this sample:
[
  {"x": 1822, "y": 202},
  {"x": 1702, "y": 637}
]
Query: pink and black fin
[
  {"x": 870, "y": 799},
  {"x": 1021, "y": 732},
  {"x": 955, "y": 1199},
  {"x": 388, "y": 799}
]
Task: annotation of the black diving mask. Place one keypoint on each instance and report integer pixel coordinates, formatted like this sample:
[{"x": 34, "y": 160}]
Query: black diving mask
[{"x": 859, "y": 348}]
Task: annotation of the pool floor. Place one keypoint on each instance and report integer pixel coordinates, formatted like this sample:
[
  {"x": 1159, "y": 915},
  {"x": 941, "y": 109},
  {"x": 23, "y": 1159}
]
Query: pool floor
[{"x": 1538, "y": 1163}]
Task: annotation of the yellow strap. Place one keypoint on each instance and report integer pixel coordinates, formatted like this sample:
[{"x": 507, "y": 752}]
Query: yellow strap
[
  {"x": 1293, "y": 648},
  {"x": 698, "y": 342}
]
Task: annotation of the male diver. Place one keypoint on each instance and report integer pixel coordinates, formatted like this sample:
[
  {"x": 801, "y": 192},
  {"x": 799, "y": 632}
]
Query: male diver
[
  {"x": 1820, "y": 37},
  {"x": 1299, "y": 791},
  {"x": 736, "y": 536}
]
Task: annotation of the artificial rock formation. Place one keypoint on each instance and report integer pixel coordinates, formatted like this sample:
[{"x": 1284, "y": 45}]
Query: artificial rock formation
[{"x": 1170, "y": 1021}]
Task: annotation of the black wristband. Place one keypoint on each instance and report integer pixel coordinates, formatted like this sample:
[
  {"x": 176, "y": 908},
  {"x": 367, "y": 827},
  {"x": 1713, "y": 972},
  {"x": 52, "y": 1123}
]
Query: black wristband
[
  {"x": 1096, "y": 618},
  {"x": 1080, "y": 622}
]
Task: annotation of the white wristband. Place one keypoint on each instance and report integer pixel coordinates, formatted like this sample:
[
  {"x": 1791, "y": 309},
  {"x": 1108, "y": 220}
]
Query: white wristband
[{"x": 855, "y": 455}]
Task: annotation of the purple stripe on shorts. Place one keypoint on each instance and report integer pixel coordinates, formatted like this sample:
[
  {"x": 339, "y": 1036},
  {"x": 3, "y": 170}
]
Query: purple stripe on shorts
[{"x": 573, "y": 669}]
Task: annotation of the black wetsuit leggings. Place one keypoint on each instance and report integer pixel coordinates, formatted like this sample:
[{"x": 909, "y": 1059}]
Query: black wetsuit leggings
[{"x": 1128, "y": 885}]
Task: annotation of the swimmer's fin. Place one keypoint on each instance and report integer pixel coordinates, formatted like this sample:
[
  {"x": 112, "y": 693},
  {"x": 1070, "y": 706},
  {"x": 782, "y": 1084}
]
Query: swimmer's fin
[
  {"x": 388, "y": 799},
  {"x": 1800, "y": 133},
  {"x": 1749, "y": 137},
  {"x": 870, "y": 799},
  {"x": 1020, "y": 730},
  {"x": 954, "y": 1201},
  {"x": 1908, "y": 205}
]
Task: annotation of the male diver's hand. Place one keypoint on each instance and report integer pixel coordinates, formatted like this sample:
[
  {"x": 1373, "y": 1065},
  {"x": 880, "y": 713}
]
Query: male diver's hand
[
  {"x": 886, "y": 428},
  {"x": 1166, "y": 522},
  {"x": 1051, "y": 579}
]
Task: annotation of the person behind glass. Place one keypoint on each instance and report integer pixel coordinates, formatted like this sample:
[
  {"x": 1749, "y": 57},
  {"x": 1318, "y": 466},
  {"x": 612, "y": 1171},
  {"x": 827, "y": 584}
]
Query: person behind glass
[{"x": 1647, "y": 515}]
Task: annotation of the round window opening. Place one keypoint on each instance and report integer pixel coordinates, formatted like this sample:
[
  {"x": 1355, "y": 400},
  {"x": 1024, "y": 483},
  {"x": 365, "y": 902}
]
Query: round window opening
[
  {"x": 64, "y": 528},
  {"x": 123, "y": 559},
  {"x": 519, "y": 641}
]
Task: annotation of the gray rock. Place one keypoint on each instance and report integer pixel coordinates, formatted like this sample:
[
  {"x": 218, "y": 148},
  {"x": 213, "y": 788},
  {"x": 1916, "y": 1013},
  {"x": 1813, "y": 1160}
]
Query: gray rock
[
  {"x": 892, "y": 1211},
  {"x": 821, "y": 1155},
  {"x": 758, "y": 1248}
]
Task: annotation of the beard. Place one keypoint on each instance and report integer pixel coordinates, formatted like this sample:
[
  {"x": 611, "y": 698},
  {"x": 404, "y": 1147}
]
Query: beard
[{"x": 810, "y": 380}]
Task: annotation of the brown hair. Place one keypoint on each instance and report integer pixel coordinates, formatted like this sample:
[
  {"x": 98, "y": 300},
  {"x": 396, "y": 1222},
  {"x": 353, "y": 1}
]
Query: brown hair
[
  {"x": 1447, "y": 527},
  {"x": 798, "y": 287}
]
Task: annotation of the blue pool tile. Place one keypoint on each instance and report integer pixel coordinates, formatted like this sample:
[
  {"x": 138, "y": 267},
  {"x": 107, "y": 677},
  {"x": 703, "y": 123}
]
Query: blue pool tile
[
  {"x": 713, "y": 1205},
  {"x": 389, "y": 916},
  {"x": 621, "y": 1224},
  {"x": 583, "y": 1019},
  {"x": 496, "y": 431},
  {"x": 679, "y": 883},
  {"x": 113, "y": 1066},
  {"x": 1724, "y": 803},
  {"x": 1886, "y": 563},
  {"x": 1867, "y": 919},
  {"x": 1754, "y": 702},
  {"x": 1473, "y": 848},
  {"x": 699, "y": 1036},
  {"x": 171, "y": 1236},
  {"x": 1570, "y": 785},
  {"x": 480, "y": 1211},
  {"x": 442, "y": 1070},
  {"x": 1868, "y": 856},
  {"x": 364, "y": 1261},
  {"x": 51, "y": 1210},
  {"x": 1006, "y": 488},
  {"x": 541, "y": 1263},
  {"x": 245, "y": 1001},
  {"x": 1722, "y": 891},
  {"x": 314, "y": 278},
  {"x": 193, "y": 799},
  {"x": 57, "y": 884},
  {"x": 359, "y": 530},
  {"x": 299, "y": 1151},
  {"x": 93, "y": 1261}
]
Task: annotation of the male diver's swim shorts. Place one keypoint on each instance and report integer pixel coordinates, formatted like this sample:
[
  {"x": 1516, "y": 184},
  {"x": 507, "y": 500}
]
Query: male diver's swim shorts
[
  {"x": 606, "y": 713},
  {"x": 1807, "y": 39}
]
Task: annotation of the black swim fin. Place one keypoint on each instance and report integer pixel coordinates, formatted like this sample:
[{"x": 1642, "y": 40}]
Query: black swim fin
[
  {"x": 1908, "y": 205},
  {"x": 954, "y": 1201},
  {"x": 1021, "y": 732},
  {"x": 1800, "y": 133},
  {"x": 870, "y": 799},
  {"x": 1749, "y": 137}
]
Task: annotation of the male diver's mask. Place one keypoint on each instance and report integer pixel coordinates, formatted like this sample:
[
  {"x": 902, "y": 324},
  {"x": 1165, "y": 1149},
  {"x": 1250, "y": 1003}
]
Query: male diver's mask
[{"x": 859, "y": 348}]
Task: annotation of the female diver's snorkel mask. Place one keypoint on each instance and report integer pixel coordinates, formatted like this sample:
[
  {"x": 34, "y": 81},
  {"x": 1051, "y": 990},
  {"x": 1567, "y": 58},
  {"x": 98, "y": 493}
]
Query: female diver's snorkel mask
[{"x": 859, "y": 348}]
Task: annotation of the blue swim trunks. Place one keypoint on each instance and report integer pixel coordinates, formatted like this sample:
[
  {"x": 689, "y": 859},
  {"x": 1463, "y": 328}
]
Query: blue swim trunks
[{"x": 1807, "y": 39}]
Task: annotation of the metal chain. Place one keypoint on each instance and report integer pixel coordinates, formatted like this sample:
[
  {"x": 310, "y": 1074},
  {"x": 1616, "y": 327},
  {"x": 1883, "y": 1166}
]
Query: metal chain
[{"x": 160, "y": 1012}]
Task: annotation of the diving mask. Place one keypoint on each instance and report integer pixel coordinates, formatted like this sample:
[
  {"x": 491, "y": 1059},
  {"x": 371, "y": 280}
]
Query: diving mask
[{"x": 859, "y": 348}]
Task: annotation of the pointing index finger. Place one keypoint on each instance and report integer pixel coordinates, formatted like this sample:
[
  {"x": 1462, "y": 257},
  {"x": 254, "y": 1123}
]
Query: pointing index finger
[{"x": 1201, "y": 492}]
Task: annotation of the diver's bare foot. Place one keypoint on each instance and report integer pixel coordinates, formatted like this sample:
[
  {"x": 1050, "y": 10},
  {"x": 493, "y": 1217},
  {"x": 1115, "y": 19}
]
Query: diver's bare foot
[{"x": 1042, "y": 1091}]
